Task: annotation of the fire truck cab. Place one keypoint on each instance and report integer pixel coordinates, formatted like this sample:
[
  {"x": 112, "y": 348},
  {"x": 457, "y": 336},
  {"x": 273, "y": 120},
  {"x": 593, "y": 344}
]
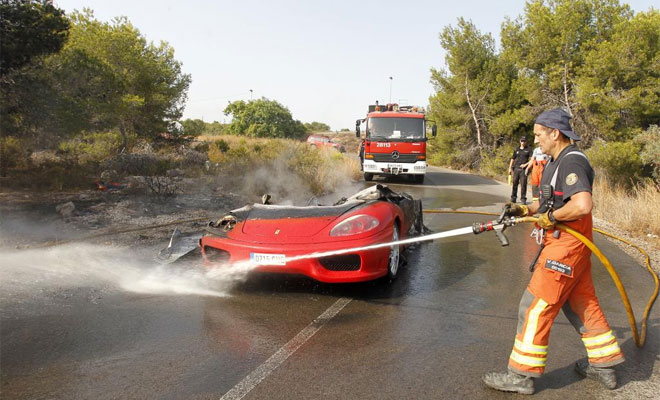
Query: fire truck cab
[{"x": 395, "y": 141}]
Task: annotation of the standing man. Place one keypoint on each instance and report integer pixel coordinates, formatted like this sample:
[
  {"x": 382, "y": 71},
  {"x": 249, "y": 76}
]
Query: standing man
[
  {"x": 562, "y": 276},
  {"x": 517, "y": 166},
  {"x": 361, "y": 154}
]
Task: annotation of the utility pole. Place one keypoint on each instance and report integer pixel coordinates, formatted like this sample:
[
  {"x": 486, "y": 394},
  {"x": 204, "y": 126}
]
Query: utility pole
[{"x": 390, "y": 90}]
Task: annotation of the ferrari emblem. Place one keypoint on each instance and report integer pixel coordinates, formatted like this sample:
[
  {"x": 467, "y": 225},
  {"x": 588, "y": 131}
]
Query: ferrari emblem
[
  {"x": 571, "y": 179},
  {"x": 277, "y": 231}
]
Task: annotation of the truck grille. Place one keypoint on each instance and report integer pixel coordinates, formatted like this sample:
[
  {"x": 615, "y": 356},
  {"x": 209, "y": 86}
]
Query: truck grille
[
  {"x": 387, "y": 157},
  {"x": 343, "y": 262}
]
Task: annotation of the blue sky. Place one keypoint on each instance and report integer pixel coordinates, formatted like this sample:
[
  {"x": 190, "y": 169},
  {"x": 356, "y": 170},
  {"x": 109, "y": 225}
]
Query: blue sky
[{"x": 324, "y": 60}]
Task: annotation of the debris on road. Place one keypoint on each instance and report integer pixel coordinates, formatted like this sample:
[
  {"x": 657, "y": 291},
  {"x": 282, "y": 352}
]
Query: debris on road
[{"x": 66, "y": 209}]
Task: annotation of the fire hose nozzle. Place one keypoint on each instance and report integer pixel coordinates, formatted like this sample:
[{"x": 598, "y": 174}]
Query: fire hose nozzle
[
  {"x": 479, "y": 227},
  {"x": 498, "y": 225}
]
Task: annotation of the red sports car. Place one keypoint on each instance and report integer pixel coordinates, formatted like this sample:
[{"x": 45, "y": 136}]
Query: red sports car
[
  {"x": 324, "y": 141},
  {"x": 270, "y": 235}
]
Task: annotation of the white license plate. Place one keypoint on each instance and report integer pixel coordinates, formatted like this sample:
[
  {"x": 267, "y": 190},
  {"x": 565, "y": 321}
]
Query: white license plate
[
  {"x": 268, "y": 259},
  {"x": 397, "y": 166}
]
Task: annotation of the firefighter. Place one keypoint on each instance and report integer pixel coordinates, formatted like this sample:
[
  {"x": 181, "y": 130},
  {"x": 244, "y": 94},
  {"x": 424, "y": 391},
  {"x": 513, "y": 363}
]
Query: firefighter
[
  {"x": 517, "y": 168},
  {"x": 361, "y": 154},
  {"x": 539, "y": 159},
  {"x": 562, "y": 276}
]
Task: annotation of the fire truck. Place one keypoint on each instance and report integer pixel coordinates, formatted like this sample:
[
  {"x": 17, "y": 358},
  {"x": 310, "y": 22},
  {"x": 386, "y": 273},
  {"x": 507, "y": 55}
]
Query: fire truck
[{"x": 395, "y": 141}]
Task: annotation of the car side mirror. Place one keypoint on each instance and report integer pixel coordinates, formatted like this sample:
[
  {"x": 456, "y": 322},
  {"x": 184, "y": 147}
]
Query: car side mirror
[
  {"x": 357, "y": 128},
  {"x": 434, "y": 130}
]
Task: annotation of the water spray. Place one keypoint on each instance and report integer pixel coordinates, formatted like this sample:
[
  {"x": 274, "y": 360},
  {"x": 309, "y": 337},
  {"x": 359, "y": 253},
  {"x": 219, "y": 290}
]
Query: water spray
[
  {"x": 498, "y": 226},
  {"x": 416, "y": 239}
]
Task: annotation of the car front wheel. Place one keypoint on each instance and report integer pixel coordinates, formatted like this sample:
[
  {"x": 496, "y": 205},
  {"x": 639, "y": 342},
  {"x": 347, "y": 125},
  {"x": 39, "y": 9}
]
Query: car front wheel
[
  {"x": 395, "y": 255},
  {"x": 368, "y": 176}
]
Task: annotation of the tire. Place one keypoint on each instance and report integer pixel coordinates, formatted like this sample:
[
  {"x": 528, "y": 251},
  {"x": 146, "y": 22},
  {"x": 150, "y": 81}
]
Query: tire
[
  {"x": 394, "y": 261},
  {"x": 418, "y": 178},
  {"x": 368, "y": 176},
  {"x": 417, "y": 228}
]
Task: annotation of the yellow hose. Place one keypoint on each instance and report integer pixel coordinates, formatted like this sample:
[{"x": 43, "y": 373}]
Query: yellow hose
[
  {"x": 649, "y": 305},
  {"x": 639, "y": 340}
]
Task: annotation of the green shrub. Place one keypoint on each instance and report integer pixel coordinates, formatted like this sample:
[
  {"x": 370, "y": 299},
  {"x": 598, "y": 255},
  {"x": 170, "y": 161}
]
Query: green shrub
[
  {"x": 202, "y": 147},
  {"x": 91, "y": 147},
  {"x": 239, "y": 154},
  {"x": 52, "y": 175},
  {"x": 495, "y": 163},
  {"x": 12, "y": 154},
  {"x": 620, "y": 161},
  {"x": 139, "y": 164},
  {"x": 272, "y": 149},
  {"x": 452, "y": 149},
  {"x": 650, "y": 154},
  {"x": 222, "y": 145}
]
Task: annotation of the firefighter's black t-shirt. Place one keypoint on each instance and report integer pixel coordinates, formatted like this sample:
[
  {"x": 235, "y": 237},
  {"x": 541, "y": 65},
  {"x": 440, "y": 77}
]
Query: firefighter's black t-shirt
[
  {"x": 521, "y": 156},
  {"x": 575, "y": 175}
]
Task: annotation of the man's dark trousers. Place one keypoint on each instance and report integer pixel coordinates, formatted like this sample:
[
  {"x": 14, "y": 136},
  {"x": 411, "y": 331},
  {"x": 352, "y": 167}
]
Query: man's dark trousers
[{"x": 519, "y": 176}]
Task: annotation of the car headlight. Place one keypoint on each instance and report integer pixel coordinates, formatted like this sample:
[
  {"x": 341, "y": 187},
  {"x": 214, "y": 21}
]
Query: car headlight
[{"x": 355, "y": 225}]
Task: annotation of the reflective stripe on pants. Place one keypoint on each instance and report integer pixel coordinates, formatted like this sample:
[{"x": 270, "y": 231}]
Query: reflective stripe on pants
[{"x": 536, "y": 316}]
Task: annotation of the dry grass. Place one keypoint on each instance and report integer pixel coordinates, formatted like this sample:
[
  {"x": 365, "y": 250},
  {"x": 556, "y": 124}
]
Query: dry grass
[
  {"x": 636, "y": 211},
  {"x": 321, "y": 170},
  {"x": 348, "y": 140}
]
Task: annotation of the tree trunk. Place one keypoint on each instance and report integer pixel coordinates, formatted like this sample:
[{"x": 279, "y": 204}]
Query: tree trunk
[
  {"x": 473, "y": 110},
  {"x": 568, "y": 104},
  {"x": 124, "y": 140}
]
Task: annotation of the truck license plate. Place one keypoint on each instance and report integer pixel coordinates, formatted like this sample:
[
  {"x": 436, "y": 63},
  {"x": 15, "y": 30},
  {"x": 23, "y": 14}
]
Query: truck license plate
[
  {"x": 395, "y": 166},
  {"x": 268, "y": 259}
]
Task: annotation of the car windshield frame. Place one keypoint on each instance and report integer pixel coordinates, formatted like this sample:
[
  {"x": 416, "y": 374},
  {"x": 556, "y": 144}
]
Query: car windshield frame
[{"x": 396, "y": 128}]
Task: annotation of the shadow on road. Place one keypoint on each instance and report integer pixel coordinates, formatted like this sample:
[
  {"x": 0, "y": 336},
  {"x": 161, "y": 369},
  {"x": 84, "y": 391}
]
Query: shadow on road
[
  {"x": 438, "y": 179},
  {"x": 454, "y": 179},
  {"x": 639, "y": 362}
]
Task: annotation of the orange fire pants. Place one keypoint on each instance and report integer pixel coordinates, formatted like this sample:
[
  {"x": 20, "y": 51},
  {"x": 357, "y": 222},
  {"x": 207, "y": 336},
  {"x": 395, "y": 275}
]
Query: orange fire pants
[
  {"x": 562, "y": 280},
  {"x": 535, "y": 179},
  {"x": 537, "y": 172}
]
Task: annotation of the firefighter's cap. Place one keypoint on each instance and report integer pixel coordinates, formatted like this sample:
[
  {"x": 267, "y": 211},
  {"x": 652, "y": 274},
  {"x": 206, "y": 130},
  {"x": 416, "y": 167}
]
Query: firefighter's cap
[{"x": 557, "y": 119}]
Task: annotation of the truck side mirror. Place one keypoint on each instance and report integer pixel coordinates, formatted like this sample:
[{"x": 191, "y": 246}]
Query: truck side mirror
[
  {"x": 357, "y": 128},
  {"x": 434, "y": 130}
]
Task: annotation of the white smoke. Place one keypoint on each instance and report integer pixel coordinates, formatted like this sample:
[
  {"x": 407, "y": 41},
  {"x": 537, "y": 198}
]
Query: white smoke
[{"x": 85, "y": 265}]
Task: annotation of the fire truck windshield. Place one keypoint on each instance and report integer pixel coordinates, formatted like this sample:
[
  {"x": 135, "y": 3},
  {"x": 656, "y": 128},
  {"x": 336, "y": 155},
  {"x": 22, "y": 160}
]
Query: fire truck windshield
[{"x": 395, "y": 128}]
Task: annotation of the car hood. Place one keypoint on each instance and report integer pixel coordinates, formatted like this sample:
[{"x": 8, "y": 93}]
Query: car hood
[{"x": 274, "y": 222}]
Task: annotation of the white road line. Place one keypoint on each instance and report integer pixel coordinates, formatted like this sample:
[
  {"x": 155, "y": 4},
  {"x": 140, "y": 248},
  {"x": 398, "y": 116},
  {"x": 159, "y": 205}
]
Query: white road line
[{"x": 262, "y": 371}]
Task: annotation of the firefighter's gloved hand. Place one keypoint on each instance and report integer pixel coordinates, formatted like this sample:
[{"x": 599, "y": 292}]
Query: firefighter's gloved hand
[
  {"x": 515, "y": 210},
  {"x": 545, "y": 221}
]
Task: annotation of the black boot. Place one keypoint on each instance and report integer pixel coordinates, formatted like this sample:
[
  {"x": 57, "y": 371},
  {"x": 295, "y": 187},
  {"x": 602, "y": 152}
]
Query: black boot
[
  {"x": 509, "y": 382},
  {"x": 606, "y": 376}
]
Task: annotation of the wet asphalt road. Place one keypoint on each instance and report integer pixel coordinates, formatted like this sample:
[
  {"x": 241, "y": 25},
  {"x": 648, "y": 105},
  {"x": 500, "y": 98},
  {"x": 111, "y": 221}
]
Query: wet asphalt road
[{"x": 448, "y": 318}]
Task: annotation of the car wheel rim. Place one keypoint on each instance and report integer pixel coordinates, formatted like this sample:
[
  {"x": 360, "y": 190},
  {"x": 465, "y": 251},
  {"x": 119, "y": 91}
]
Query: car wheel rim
[{"x": 394, "y": 253}]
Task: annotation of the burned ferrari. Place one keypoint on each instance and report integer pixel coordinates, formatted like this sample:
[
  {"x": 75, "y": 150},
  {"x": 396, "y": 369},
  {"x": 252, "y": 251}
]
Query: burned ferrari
[{"x": 269, "y": 235}]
